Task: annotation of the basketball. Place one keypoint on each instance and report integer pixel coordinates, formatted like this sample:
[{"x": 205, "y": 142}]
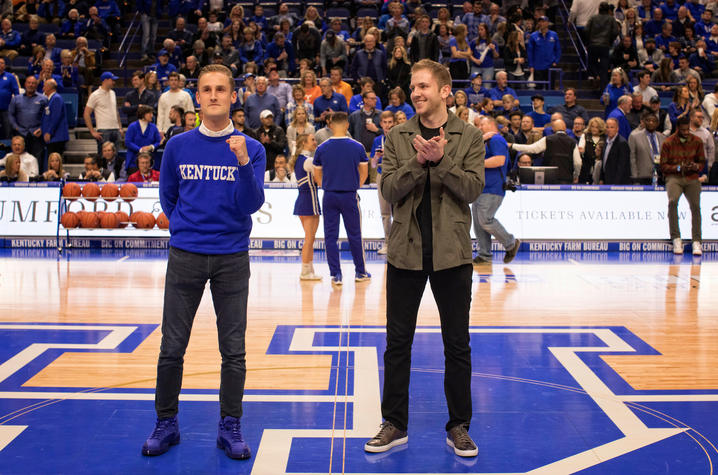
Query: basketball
[
  {"x": 90, "y": 220},
  {"x": 71, "y": 191},
  {"x": 90, "y": 191},
  {"x": 110, "y": 191},
  {"x": 80, "y": 214},
  {"x": 145, "y": 221},
  {"x": 109, "y": 220},
  {"x": 134, "y": 217},
  {"x": 122, "y": 219},
  {"x": 128, "y": 192},
  {"x": 163, "y": 222},
  {"x": 69, "y": 220}
]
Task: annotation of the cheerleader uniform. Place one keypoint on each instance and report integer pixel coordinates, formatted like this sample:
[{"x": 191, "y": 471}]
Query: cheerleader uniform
[{"x": 307, "y": 203}]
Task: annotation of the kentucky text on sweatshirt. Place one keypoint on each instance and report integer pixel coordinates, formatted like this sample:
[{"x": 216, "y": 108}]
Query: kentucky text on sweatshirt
[{"x": 207, "y": 196}]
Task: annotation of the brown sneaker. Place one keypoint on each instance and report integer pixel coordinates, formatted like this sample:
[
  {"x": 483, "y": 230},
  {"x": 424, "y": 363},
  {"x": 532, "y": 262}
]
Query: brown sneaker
[
  {"x": 387, "y": 437},
  {"x": 460, "y": 440},
  {"x": 511, "y": 253}
]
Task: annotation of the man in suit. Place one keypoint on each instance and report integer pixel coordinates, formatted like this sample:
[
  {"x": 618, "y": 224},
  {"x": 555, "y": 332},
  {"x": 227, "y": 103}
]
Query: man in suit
[
  {"x": 645, "y": 145},
  {"x": 625, "y": 103},
  {"x": 616, "y": 163},
  {"x": 54, "y": 122}
]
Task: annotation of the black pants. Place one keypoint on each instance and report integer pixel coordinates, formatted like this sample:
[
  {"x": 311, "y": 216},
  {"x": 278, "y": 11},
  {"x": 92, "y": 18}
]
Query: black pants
[
  {"x": 459, "y": 70},
  {"x": 543, "y": 75},
  {"x": 599, "y": 62},
  {"x": 56, "y": 147},
  {"x": 452, "y": 291},
  {"x": 35, "y": 146},
  {"x": 187, "y": 274}
]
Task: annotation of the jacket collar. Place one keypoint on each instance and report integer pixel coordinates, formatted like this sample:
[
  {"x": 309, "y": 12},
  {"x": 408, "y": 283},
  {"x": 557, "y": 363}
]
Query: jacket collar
[{"x": 454, "y": 125}]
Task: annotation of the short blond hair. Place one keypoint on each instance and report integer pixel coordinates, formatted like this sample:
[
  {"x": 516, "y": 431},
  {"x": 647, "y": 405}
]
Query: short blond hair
[
  {"x": 217, "y": 68},
  {"x": 439, "y": 71}
]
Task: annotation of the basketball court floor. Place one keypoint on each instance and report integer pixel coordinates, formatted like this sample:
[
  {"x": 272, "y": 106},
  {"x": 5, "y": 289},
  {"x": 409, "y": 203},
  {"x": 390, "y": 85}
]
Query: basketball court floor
[{"x": 595, "y": 363}]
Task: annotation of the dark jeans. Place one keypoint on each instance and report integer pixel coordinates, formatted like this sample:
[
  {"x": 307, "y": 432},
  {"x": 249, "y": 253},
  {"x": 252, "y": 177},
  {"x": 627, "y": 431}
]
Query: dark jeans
[
  {"x": 35, "y": 146},
  {"x": 675, "y": 187},
  {"x": 599, "y": 62},
  {"x": 543, "y": 75},
  {"x": 6, "y": 131},
  {"x": 187, "y": 274},
  {"x": 108, "y": 135},
  {"x": 56, "y": 147},
  {"x": 452, "y": 292}
]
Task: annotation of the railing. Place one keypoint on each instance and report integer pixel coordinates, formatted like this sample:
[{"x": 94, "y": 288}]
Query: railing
[
  {"x": 125, "y": 44},
  {"x": 572, "y": 31}
]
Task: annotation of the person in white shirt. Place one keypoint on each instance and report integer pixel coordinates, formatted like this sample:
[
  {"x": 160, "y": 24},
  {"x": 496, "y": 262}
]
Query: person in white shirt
[
  {"x": 710, "y": 103},
  {"x": 280, "y": 173},
  {"x": 644, "y": 79},
  {"x": 175, "y": 96},
  {"x": 103, "y": 102},
  {"x": 709, "y": 147},
  {"x": 28, "y": 163}
]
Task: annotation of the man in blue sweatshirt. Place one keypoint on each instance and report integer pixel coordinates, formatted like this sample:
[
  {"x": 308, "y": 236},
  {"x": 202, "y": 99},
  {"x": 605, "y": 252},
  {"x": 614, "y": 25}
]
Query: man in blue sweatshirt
[
  {"x": 341, "y": 166},
  {"x": 212, "y": 182},
  {"x": 543, "y": 51}
]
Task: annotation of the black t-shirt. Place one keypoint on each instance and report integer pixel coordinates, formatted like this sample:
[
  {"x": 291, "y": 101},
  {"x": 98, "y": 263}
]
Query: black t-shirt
[{"x": 423, "y": 212}]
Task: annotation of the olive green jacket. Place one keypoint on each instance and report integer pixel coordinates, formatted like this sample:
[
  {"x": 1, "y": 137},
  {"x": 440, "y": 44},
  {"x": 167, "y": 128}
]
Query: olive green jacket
[{"x": 455, "y": 182}]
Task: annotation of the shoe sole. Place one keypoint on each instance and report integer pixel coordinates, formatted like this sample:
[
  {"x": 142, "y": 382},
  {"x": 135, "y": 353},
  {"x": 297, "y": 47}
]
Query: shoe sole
[
  {"x": 462, "y": 453},
  {"x": 362, "y": 279},
  {"x": 514, "y": 250},
  {"x": 374, "y": 449},
  {"x": 162, "y": 451},
  {"x": 228, "y": 452},
  {"x": 336, "y": 284},
  {"x": 309, "y": 278}
]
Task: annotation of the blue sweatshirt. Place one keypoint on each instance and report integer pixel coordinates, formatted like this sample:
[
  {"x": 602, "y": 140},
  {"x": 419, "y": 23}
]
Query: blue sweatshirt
[
  {"x": 339, "y": 158},
  {"x": 207, "y": 196},
  {"x": 543, "y": 51}
]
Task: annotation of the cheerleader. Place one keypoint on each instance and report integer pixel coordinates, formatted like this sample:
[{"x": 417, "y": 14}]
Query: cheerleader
[{"x": 307, "y": 204}]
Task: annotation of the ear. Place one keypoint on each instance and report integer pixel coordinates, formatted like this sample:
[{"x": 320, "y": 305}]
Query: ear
[
  {"x": 445, "y": 91},
  {"x": 234, "y": 96}
]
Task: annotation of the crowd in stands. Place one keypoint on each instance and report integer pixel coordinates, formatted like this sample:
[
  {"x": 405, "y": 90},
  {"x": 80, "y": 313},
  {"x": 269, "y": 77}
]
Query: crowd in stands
[{"x": 295, "y": 65}]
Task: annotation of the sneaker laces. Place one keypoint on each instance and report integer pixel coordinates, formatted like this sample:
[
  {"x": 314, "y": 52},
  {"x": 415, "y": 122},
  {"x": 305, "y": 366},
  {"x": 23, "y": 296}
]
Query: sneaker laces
[
  {"x": 236, "y": 429},
  {"x": 462, "y": 438},
  {"x": 161, "y": 426},
  {"x": 385, "y": 428}
]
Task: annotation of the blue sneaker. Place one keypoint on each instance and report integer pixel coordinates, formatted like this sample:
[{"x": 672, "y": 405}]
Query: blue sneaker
[
  {"x": 362, "y": 277},
  {"x": 165, "y": 435},
  {"x": 229, "y": 438},
  {"x": 337, "y": 279}
]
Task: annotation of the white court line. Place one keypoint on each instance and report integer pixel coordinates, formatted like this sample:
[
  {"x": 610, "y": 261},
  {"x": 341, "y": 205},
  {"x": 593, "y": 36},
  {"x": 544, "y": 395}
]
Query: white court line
[{"x": 123, "y": 258}]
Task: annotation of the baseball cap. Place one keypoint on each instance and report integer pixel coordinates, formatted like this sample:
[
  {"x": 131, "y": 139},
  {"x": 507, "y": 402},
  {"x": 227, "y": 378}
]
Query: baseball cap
[
  {"x": 265, "y": 113},
  {"x": 249, "y": 75},
  {"x": 655, "y": 100},
  {"x": 538, "y": 96},
  {"x": 163, "y": 52},
  {"x": 473, "y": 75},
  {"x": 543, "y": 18},
  {"x": 108, "y": 75}
]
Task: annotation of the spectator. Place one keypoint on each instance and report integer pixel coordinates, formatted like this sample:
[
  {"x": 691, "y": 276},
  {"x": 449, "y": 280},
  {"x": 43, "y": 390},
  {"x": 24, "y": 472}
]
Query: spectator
[
  {"x": 397, "y": 102},
  {"x": 110, "y": 14},
  {"x": 95, "y": 28},
  {"x": 72, "y": 26},
  {"x": 324, "y": 133},
  {"x": 9, "y": 40},
  {"x": 282, "y": 52},
  {"x": 28, "y": 163},
  {"x": 55, "y": 172},
  {"x": 591, "y": 145},
  {"x": 664, "y": 75},
  {"x": 681, "y": 105},
  {"x": 34, "y": 63},
  {"x": 664, "y": 119},
  {"x": 93, "y": 172},
  {"x": 645, "y": 146},
  {"x": 704, "y": 25},
  {"x": 548, "y": 130},
  {"x": 213, "y": 24},
  {"x": 635, "y": 114},
  {"x": 620, "y": 113},
  {"x": 472, "y": 19},
  {"x": 460, "y": 54},
  {"x": 209, "y": 38},
  {"x": 55, "y": 130},
  {"x": 579, "y": 126},
  {"x": 515, "y": 59},
  {"x": 684, "y": 71},
  {"x": 559, "y": 150},
  {"x": 103, "y": 102},
  {"x": 311, "y": 88},
  {"x": 333, "y": 52},
  {"x": 8, "y": 89},
  {"x": 279, "y": 89},
  {"x": 376, "y": 154},
  {"x": 710, "y": 102},
  {"x": 682, "y": 160},
  {"x": 52, "y": 52},
  {"x": 181, "y": 36},
  {"x": 497, "y": 93},
  {"x": 483, "y": 53},
  {"x": 307, "y": 42},
  {"x": 649, "y": 57},
  {"x": 259, "y": 19},
  {"x": 665, "y": 38},
  {"x": 600, "y": 30},
  {"x": 280, "y": 173},
  {"x": 444, "y": 36},
  {"x": 250, "y": 49},
  {"x": 515, "y": 127},
  {"x": 69, "y": 73},
  {"x": 570, "y": 109},
  {"x": 142, "y": 136},
  {"x": 616, "y": 157},
  {"x": 238, "y": 119},
  {"x": 145, "y": 173},
  {"x": 47, "y": 72},
  {"x": 340, "y": 86},
  {"x": 271, "y": 137},
  {"x": 702, "y": 59},
  {"x": 13, "y": 172},
  {"x": 544, "y": 51},
  {"x": 31, "y": 38},
  {"x": 299, "y": 125},
  {"x": 148, "y": 20},
  {"x": 369, "y": 61},
  {"x": 85, "y": 60},
  {"x": 176, "y": 116},
  {"x": 364, "y": 124},
  {"x": 111, "y": 161},
  {"x": 423, "y": 43},
  {"x": 697, "y": 120},
  {"x": 619, "y": 86},
  {"x": 540, "y": 117},
  {"x": 643, "y": 87},
  {"x": 174, "y": 96},
  {"x": 397, "y": 24},
  {"x": 654, "y": 26},
  {"x": 461, "y": 100},
  {"x": 259, "y": 101},
  {"x": 400, "y": 117},
  {"x": 163, "y": 67},
  {"x": 191, "y": 70},
  {"x": 190, "y": 121},
  {"x": 329, "y": 100},
  {"x": 625, "y": 55},
  {"x": 296, "y": 101},
  {"x": 443, "y": 18},
  {"x": 229, "y": 54},
  {"x": 399, "y": 70},
  {"x": 25, "y": 113},
  {"x": 356, "y": 102}
]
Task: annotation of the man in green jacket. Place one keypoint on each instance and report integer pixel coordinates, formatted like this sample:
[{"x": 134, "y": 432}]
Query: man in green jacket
[{"x": 433, "y": 168}]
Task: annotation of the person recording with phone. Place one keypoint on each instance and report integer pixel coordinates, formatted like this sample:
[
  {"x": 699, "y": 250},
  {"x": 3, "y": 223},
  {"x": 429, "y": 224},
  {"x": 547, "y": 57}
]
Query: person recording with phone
[
  {"x": 377, "y": 152},
  {"x": 364, "y": 123}
]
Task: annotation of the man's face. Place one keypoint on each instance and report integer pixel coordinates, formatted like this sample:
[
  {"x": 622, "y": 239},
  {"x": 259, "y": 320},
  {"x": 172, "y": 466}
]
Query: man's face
[
  {"x": 47, "y": 66},
  {"x": 136, "y": 82},
  {"x": 50, "y": 41},
  {"x": 267, "y": 121},
  {"x": 657, "y": 14},
  {"x": 369, "y": 42},
  {"x": 683, "y": 63},
  {"x": 524, "y": 161},
  {"x": 18, "y": 146},
  {"x": 215, "y": 95},
  {"x": 370, "y": 101},
  {"x": 89, "y": 166},
  {"x": 424, "y": 24},
  {"x": 34, "y": 23},
  {"x": 191, "y": 62},
  {"x": 627, "y": 41},
  {"x": 526, "y": 124},
  {"x": 283, "y": 9},
  {"x": 667, "y": 29},
  {"x": 537, "y": 103},
  {"x": 164, "y": 59},
  {"x": 684, "y": 130},
  {"x": 651, "y": 123},
  {"x": 336, "y": 76},
  {"x": 31, "y": 85},
  {"x": 516, "y": 121},
  {"x": 226, "y": 42},
  {"x": 476, "y": 83},
  {"x": 707, "y": 15},
  {"x": 578, "y": 125},
  {"x": 6, "y": 25},
  {"x": 650, "y": 46},
  {"x": 570, "y": 97},
  {"x": 190, "y": 119},
  {"x": 173, "y": 116},
  {"x": 426, "y": 94},
  {"x": 280, "y": 162},
  {"x": 47, "y": 88},
  {"x": 367, "y": 87},
  {"x": 202, "y": 23},
  {"x": 501, "y": 80},
  {"x": 261, "y": 86},
  {"x": 143, "y": 163},
  {"x": 2, "y": 65},
  {"x": 637, "y": 102},
  {"x": 280, "y": 40},
  {"x": 239, "y": 118},
  {"x": 173, "y": 82},
  {"x": 386, "y": 124},
  {"x": 326, "y": 88},
  {"x": 611, "y": 128},
  {"x": 180, "y": 23},
  {"x": 697, "y": 119}
]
